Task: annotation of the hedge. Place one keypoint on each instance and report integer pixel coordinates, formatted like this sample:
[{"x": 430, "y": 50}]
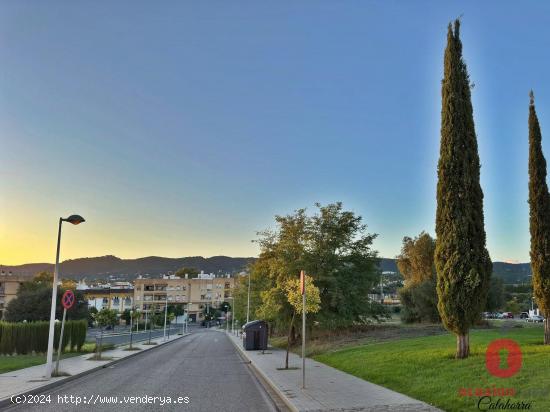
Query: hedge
[{"x": 28, "y": 337}]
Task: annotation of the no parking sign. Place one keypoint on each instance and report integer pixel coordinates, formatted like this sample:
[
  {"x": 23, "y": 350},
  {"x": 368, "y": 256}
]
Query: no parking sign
[{"x": 68, "y": 299}]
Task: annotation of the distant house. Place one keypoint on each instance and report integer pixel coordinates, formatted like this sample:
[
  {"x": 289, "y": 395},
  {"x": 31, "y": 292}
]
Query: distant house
[
  {"x": 118, "y": 296},
  {"x": 9, "y": 285}
]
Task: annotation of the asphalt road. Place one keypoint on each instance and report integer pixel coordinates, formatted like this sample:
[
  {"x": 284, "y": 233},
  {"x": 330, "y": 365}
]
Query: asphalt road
[
  {"x": 204, "y": 366},
  {"x": 123, "y": 336}
]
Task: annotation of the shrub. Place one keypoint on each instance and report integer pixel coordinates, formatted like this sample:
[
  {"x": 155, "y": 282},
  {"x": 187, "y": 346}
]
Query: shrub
[{"x": 22, "y": 338}]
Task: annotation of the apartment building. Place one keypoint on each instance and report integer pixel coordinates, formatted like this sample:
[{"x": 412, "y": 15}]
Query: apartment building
[
  {"x": 118, "y": 296},
  {"x": 196, "y": 294},
  {"x": 9, "y": 285}
]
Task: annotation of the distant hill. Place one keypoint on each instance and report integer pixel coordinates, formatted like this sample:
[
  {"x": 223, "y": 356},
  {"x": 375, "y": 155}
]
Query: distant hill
[
  {"x": 509, "y": 272},
  {"x": 105, "y": 266}
]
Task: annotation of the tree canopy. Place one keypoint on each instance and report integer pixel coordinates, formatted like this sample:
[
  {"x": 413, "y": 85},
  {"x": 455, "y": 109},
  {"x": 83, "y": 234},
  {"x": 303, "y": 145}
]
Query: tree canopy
[
  {"x": 539, "y": 219},
  {"x": 462, "y": 261},
  {"x": 33, "y": 303},
  {"x": 416, "y": 261},
  {"x": 334, "y": 248}
]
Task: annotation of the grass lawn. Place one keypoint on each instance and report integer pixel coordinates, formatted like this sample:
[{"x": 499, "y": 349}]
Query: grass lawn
[
  {"x": 424, "y": 367},
  {"x": 11, "y": 363}
]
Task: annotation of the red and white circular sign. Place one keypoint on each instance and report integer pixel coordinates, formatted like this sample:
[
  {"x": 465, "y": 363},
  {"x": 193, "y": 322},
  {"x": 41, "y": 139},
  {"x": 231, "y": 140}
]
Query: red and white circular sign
[{"x": 68, "y": 299}]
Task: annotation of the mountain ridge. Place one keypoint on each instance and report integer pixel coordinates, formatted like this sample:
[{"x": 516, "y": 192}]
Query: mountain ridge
[{"x": 102, "y": 267}]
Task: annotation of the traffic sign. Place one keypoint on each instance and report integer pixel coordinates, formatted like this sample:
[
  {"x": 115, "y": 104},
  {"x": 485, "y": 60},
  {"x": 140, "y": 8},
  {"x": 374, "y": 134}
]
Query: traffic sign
[
  {"x": 68, "y": 299},
  {"x": 302, "y": 282}
]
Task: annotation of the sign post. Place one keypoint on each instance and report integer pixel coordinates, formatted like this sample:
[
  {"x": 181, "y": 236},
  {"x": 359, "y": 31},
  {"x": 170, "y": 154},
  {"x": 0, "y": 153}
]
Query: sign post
[
  {"x": 132, "y": 327},
  {"x": 303, "y": 292},
  {"x": 67, "y": 301}
]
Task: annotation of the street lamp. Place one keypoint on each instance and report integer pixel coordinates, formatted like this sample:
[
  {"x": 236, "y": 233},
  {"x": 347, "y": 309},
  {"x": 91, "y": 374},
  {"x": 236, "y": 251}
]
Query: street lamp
[
  {"x": 232, "y": 313},
  {"x": 165, "y": 315},
  {"x": 75, "y": 220},
  {"x": 248, "y": 301}
]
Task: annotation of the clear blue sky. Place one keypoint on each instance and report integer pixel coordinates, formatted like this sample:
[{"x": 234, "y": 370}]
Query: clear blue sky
[{"x": 181, "y": 128}]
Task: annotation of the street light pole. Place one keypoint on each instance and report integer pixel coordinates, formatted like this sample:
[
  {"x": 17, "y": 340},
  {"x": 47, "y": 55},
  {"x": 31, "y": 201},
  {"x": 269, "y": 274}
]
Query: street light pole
[
  {"x": 165, "y": 315},
  {"x": 75, "y": 220},
  {"x": 248, "y": 301},
  {"x": 232, "y": 314}
]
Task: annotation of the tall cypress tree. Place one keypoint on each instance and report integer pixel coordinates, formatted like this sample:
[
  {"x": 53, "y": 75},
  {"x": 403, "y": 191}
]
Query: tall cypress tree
[
  {"x": 539, "y": 219},
  {"x": 462, "y": 262}
]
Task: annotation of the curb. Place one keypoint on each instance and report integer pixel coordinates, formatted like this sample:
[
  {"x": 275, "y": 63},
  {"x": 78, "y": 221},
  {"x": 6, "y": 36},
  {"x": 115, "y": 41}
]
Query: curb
[
  {"x": 6, "y": 403},
  {"x": 274, "y": 387}
]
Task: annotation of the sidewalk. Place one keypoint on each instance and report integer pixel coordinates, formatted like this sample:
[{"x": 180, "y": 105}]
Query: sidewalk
[
  {"x": 327, "y": 389},
  {"x": 32, "y": 379}
]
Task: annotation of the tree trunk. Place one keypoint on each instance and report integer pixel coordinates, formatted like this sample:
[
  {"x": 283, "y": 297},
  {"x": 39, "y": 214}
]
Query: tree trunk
[
  {"x": 291, "y": 329},
  {"x": 462, "y": 346},
  {"x": 546, "y": 330}
]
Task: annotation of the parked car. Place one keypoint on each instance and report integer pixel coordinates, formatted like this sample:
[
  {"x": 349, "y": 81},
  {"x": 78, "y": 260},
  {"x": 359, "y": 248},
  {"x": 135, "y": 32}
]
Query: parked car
[
  {"x": 535, "y": 318},
  {"x": 523, "y": 315},
  {"x": 508, "y": 315}
]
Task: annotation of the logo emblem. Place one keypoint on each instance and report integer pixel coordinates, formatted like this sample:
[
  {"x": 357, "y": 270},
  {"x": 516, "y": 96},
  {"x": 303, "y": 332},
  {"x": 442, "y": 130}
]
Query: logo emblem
[{"x": 512, "y": 361}]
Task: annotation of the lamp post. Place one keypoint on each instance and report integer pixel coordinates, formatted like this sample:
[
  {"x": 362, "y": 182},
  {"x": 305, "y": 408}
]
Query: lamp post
[
  {"x": 248, "y": 301},
  {"x": 165, "y": 316},
  {"x": 232, "y": 314},
  {"x": 75, "y": 220}
]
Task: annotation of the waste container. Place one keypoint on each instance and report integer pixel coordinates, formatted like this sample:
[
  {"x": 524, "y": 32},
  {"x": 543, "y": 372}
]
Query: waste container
[{"x": 255, "y": 335}]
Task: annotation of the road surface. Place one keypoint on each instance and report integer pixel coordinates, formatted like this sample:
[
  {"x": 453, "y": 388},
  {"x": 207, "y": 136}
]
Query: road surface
[
  {"x": 122, "y": 336},
  {"x": 204, "y": 367}
]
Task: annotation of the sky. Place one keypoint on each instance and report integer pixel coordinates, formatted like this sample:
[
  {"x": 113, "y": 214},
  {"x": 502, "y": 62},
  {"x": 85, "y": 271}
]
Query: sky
[{"x": 182, "y": 128}]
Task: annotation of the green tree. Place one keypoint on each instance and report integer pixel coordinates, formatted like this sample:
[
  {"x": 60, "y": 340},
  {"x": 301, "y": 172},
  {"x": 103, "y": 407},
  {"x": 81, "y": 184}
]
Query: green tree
[
  {"x": 334, "y": 247},
  {"x": 539, "y": 219},
  {"x": 125, "y": 316},
  {"x": 295, "y": 298},
  {"x": 512, "y": 306},
  {"x": 33, "y": 303},
  {"x": 258, "y": 283},
  {"x": 91, "y": 315},
  {"x": 190, "y": 272},
  {"x": 225, "y": 307},
  {"x": 106, "y": 317},
  {"x": 462, "y": 261},
  {"x": 176, "y": 310},
  {"x": 340, "y": 258},
  {"x": 416, "y": 261},
  {"x": 416, "y": 264},
  {"x": 495, "y": 297},
  {"x": 419, "y": 302}
]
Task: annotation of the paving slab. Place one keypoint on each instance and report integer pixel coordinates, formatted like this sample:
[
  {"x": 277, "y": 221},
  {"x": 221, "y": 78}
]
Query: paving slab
[{"x": 327, "y": 388}]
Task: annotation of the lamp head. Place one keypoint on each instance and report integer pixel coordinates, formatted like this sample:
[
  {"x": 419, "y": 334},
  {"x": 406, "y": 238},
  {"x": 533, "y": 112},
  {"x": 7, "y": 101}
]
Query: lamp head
[{"x": 74, "y": 219}]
